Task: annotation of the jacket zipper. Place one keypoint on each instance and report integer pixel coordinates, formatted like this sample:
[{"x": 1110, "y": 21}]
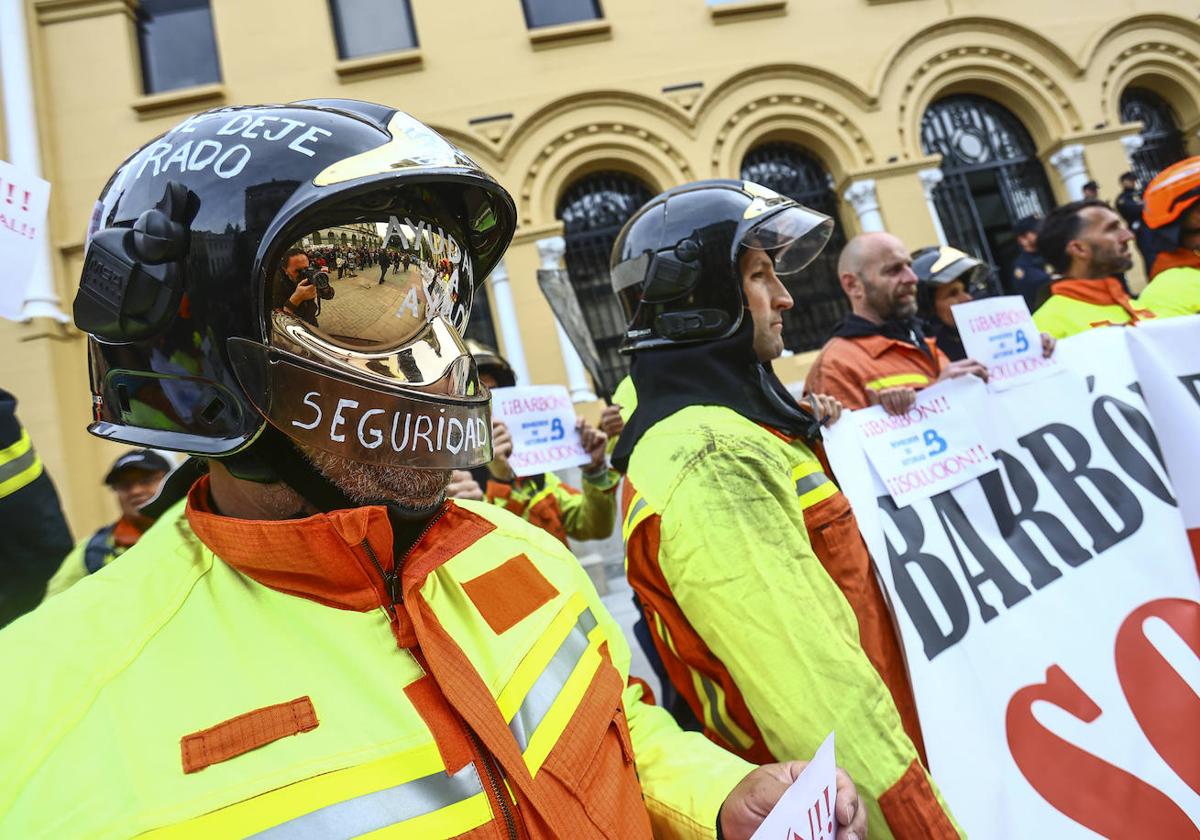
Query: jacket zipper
[
  {"x": 490, "y": 771},
  {"x": 392, "y": 582}
]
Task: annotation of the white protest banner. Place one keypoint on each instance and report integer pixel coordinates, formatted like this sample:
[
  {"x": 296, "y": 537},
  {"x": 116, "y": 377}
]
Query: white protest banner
[
  {"x": 805, "y": 811},
  {"x": 1167, "y": 357},
  {"x": 24, "y": 199},
  {"x": 999, "y": 333},
  {"x": 541, "y": 420},
  {"x": 938, "y": 444},
  {"x": 1050, "y": 610}
]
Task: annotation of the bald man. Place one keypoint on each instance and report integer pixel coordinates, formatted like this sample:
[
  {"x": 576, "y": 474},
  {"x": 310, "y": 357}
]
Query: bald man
[{"x": 880, "y": 354}]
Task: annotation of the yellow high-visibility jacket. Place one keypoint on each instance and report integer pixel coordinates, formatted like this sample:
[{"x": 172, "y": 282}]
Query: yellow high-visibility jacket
[
  {"x": 229, "y": 678},
  {"x": 1173, "y": 292},
  {"x": 752, "y": 629},
  {"x": 559, "y": 508},
  {"x": 1076, "y": 306}
]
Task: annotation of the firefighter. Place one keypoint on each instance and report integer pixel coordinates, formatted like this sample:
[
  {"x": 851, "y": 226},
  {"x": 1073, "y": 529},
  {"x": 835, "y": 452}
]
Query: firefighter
[
  {"x": 723, "y": 487},
  {"x": 314, "y": 642},
  {"x": 1087, "y": 244},
  {"x": 1172, "y": 214},
  {"x": 545, "y": 500}
]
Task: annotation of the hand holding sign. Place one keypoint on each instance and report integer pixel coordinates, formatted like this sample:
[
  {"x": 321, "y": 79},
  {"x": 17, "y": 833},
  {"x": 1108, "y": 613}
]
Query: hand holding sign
[
  {"x": 807, "y": 801},
  {"x": 541, "y": 420}
]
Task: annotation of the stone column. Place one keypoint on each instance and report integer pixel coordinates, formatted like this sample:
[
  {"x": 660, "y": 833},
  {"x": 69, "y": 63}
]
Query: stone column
[
  {"x": 551, "y": 250},
  {"x": 510, "y": 327},
  {"x": 930, "y": 178},
  {"x": 1132, "y": 143},
  {"x": 41, "y": 298},
  {"x": 1069, "y": 163},
  {"x": 861, "y": 195}
]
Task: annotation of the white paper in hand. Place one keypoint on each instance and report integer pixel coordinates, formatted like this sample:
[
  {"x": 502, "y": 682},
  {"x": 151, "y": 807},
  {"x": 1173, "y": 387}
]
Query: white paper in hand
[
  {"x": 541, "y": 420},
  {"x": 805, "y": 811},
  {"x": 24, "y": 198},
  {"x": 999, "y": 333}
]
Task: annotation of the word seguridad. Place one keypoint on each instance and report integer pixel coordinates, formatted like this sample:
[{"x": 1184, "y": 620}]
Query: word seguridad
[{"x": 407, "y": 430}]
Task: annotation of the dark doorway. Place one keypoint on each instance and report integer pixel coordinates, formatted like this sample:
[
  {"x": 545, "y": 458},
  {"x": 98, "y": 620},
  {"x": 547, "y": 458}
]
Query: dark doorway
[
  {"x": 819, "y": 302},
  {"x": 992, "y": 177},
  {"x": 593, "y": 211},
  {"x": 1162, "y": 141}
]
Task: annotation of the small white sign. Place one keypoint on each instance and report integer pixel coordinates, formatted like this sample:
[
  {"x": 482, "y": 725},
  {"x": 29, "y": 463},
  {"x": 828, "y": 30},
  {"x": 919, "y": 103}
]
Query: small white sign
[
  {"x": 938, "y": 444},
  {"x": 805, "y": 811},
  {"x": 541, "y": 420},
  {"x": 24, "y": 199},
  {"x": 1000, "y": 333}
]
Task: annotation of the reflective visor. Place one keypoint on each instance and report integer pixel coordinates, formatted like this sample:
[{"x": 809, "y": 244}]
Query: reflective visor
[
  {"x": 792, "y": 237},
  {"x": 365, "y": 313},
  {"x": 371, "y": 283}
]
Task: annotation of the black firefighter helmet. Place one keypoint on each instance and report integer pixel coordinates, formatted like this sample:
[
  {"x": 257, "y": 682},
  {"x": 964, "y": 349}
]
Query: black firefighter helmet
[
  {"x": 196, "y": 287},
  {"x": 675, "y": 263}
]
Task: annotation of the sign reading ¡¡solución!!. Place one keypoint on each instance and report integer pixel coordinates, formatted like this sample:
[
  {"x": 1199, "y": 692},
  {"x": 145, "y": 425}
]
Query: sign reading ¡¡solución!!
[{"x": 1050, "y": 607}]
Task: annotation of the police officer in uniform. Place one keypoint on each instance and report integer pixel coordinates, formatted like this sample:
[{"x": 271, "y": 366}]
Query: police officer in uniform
[{"x": 1029, "y": 271}]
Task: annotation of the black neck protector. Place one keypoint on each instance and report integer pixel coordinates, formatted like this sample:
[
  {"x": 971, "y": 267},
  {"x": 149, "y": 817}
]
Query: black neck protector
[{"x": 725, "y": 373}]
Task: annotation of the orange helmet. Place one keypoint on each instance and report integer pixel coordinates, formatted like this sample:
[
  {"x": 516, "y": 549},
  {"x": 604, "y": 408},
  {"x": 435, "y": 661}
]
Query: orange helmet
[{"x": 1172, "y": 191}]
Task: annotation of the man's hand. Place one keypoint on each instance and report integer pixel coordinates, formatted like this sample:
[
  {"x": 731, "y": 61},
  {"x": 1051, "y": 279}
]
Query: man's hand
[
  {"x": 593, "y": 441},
  {"x": 1049, "y": 342},
  {"x": 610, "y": 420},
  {"x": 501, "y": 451},
  {"x": 749, "y": 803},
  {"x": 964, "y": 367},
  {"x": 304, "y": 291},
  {"x": 462, "y": 486},
  {"x": 895, "y": 401},
  {"x": 825, "y": 408}
]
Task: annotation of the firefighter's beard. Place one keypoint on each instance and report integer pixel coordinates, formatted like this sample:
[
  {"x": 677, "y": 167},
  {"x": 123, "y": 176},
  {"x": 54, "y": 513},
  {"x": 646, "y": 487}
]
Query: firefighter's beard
[{"x": 366, "y": 483}]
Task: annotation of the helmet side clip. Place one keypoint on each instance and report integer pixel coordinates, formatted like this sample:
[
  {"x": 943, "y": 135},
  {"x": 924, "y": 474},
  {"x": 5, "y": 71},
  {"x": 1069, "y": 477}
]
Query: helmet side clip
[{"x": 131, "y": 284}]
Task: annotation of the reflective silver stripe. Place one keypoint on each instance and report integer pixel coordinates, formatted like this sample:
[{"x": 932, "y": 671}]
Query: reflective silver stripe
[
  {"x": 551, "y": 681},
  {"x": 373, "y": 811},
  {"x": 633, "y": 511},
  {"x": 17, "y": 465},
  {"x": 710, "y": 691},
  {"x": 810, "y": 482}
]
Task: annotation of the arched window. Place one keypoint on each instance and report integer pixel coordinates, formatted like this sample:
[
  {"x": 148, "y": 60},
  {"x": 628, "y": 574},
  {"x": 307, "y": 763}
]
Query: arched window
[
  {"x": 819, "y": 302},
  {"x": 1162, "y": 141},
  {"x": 993, "y": 177},
  {"x": 593, "y": 210}
]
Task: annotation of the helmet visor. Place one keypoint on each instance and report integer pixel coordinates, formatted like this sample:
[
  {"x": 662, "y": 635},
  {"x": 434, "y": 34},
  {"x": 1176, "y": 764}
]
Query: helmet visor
[
  {"x": 792, "y": 237},
  {"x": 371, "y": 283}
]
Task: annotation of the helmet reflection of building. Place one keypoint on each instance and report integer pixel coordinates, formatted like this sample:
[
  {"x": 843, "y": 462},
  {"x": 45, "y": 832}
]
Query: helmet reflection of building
[{"x": 187, "y": 263}]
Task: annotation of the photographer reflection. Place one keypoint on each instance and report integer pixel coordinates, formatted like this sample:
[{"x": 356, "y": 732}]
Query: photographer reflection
[{"x": 300, "y": 288}]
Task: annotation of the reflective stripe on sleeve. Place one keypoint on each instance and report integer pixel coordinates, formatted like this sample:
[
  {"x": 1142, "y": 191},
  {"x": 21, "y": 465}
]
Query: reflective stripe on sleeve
[
  {"x": 639, "y": 509},
  {"x": 812, "y": 484},
  {"x": 897, "y": 380},
  {"x": 19, "y": 465},
  {"x": 711, "y": 695}
]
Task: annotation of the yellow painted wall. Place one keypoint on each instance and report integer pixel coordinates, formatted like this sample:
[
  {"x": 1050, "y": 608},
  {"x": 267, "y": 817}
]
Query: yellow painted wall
[{"x": 848, "y": 79}]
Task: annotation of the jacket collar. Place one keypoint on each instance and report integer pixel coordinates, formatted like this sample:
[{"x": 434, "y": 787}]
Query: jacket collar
[
  {"x": 324, "y": 557},
  {"x": 1179, "y": 258},
  {"x": 1101, "y": 292}
]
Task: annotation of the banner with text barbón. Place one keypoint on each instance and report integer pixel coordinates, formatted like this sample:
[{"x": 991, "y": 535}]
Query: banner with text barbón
[{"x": 1050, "y": 607}]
